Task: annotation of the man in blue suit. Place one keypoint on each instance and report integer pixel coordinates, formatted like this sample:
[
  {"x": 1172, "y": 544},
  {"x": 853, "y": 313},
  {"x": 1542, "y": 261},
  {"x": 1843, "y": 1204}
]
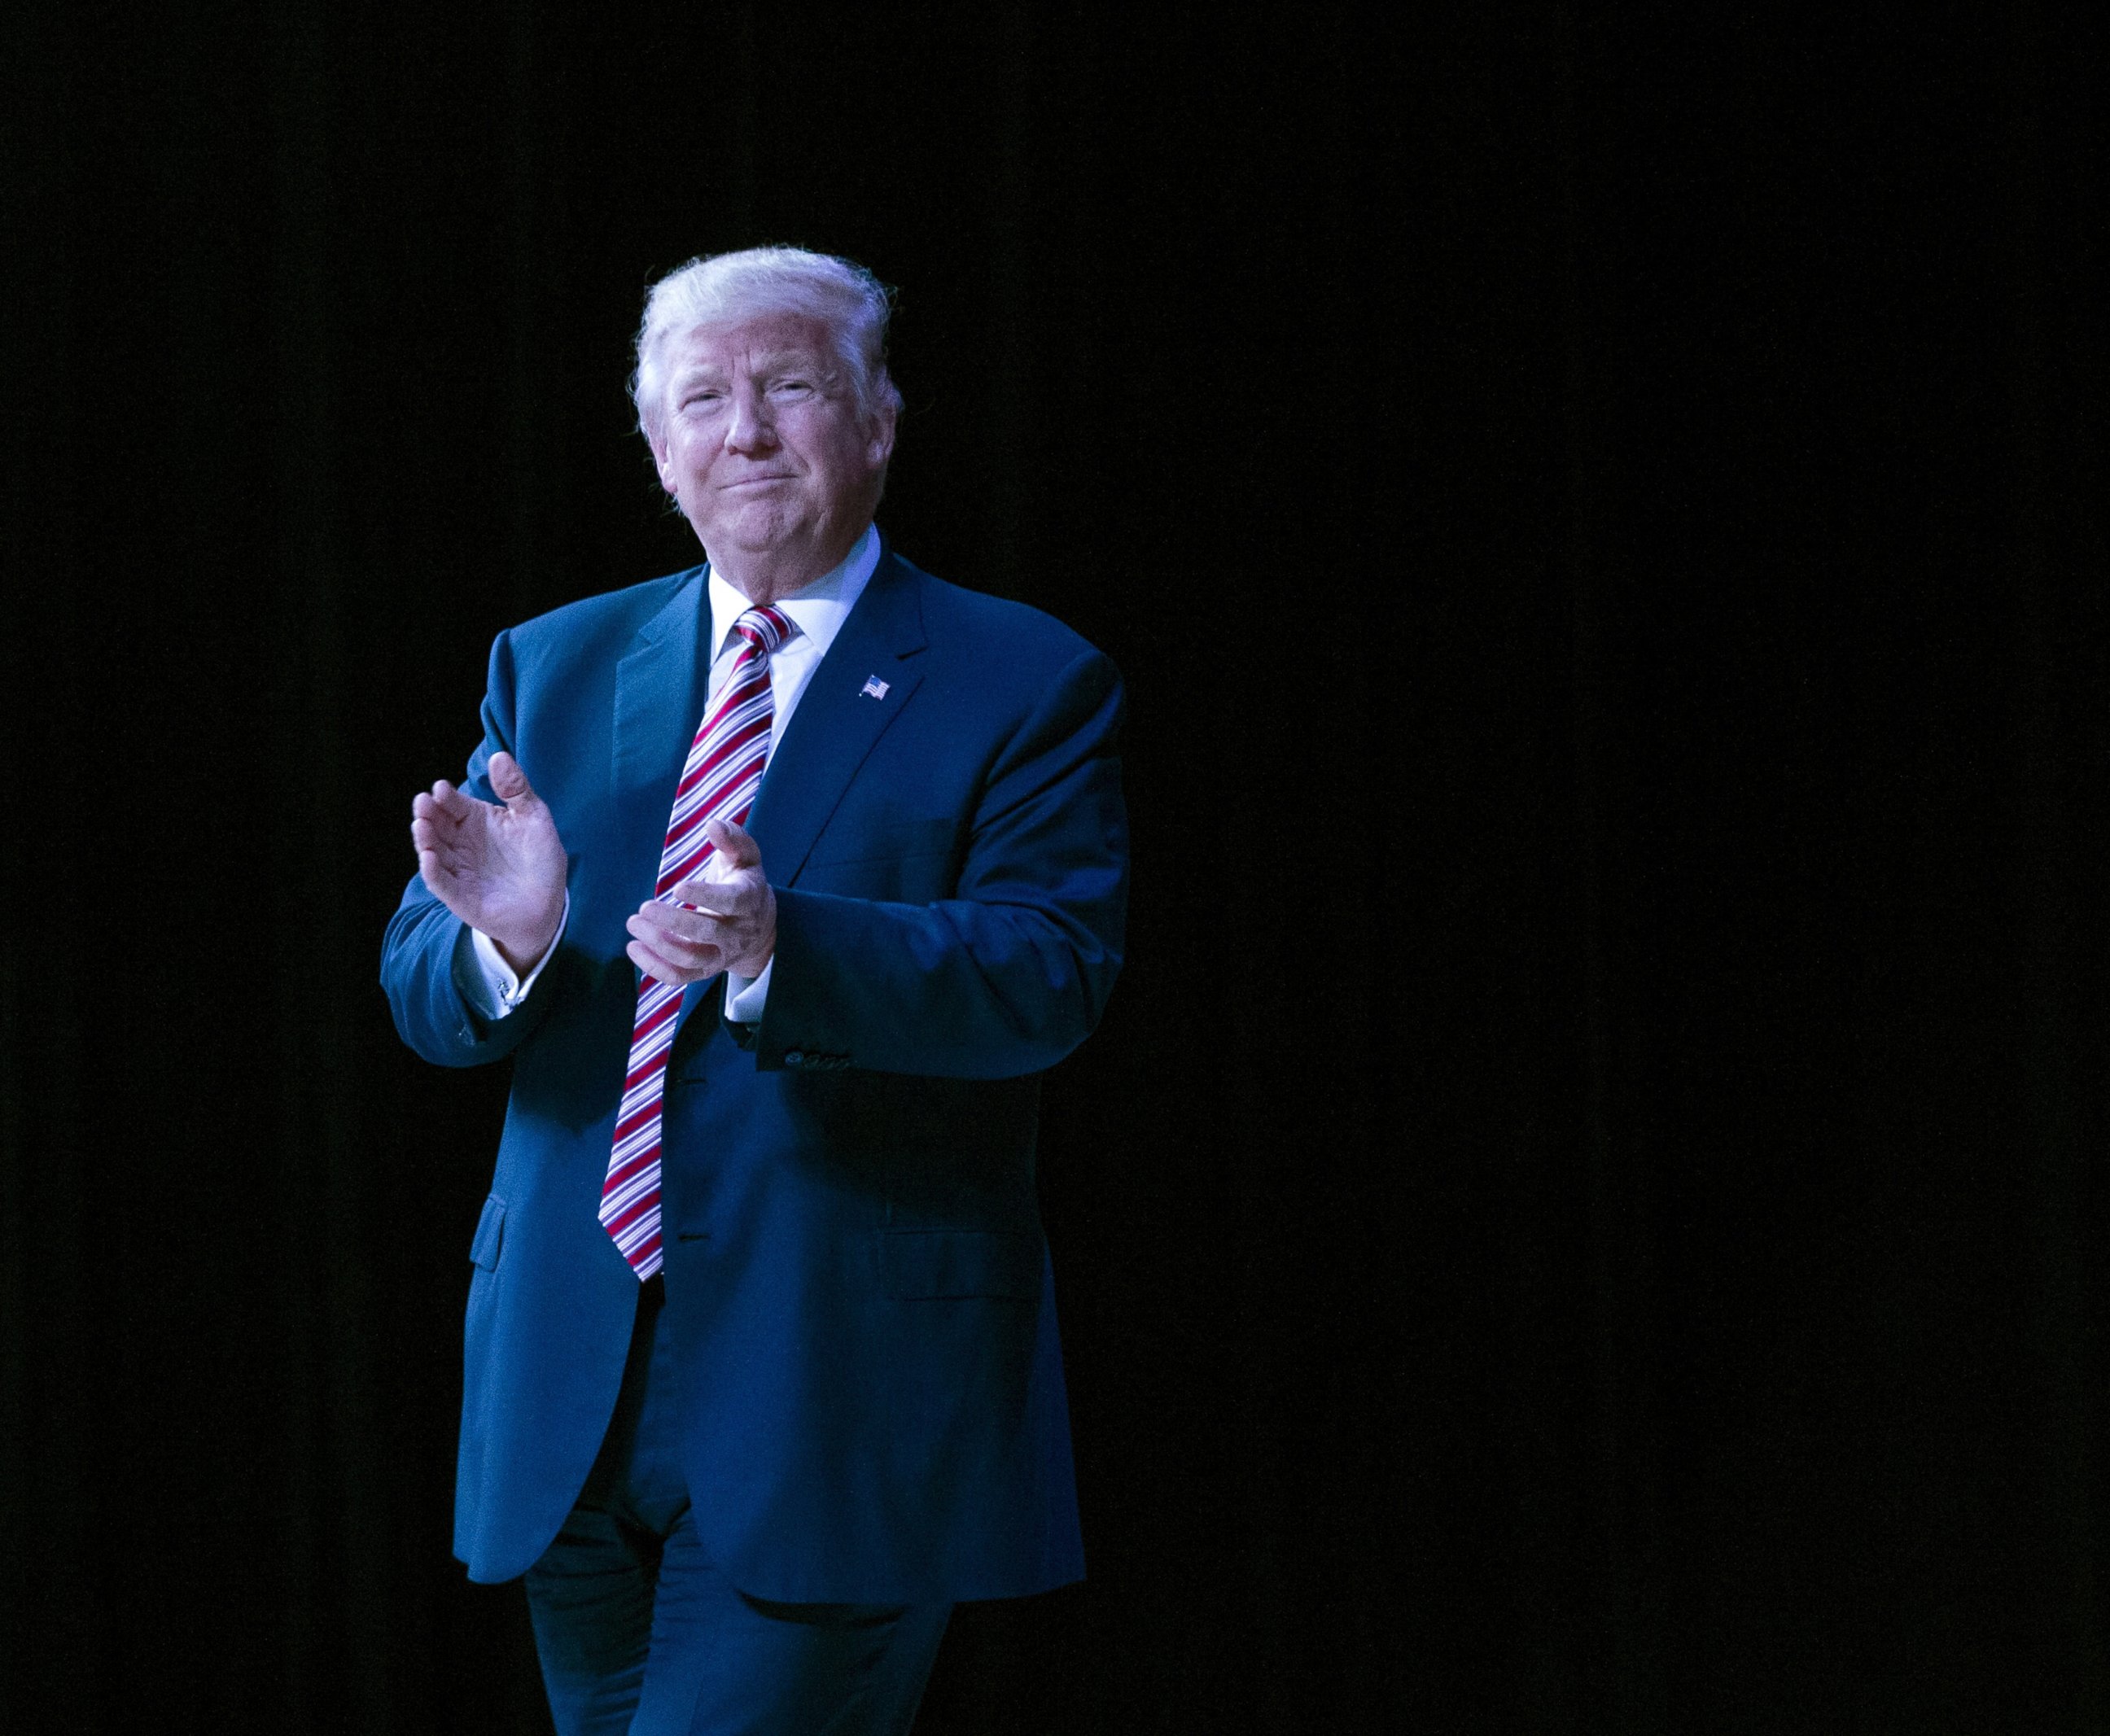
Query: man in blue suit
[{"x": 750, "y": 1440}]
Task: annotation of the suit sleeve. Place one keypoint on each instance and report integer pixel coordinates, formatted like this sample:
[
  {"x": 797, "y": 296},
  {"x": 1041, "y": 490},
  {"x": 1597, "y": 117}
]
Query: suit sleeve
[
  {"x": 1009, "y": 974},
  {"x": 419, "y": 952}
]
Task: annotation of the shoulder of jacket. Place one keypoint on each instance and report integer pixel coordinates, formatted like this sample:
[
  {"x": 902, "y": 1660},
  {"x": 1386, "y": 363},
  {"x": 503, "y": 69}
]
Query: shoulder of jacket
[
  {"x": 612, "y": 615},
  {"x": 991, "y": 624},
  {"x": 608, "y": 612}
]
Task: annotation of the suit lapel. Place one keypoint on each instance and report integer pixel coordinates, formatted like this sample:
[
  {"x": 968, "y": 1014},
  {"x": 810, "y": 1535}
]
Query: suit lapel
[
  {"x": 838, "y": 722},
  {"x": 660, "y": 687}
]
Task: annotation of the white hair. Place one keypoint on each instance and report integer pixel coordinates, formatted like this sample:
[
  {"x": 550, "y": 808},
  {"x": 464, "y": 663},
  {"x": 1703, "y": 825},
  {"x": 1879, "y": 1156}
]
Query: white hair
[{"x": 852, "y": 303}]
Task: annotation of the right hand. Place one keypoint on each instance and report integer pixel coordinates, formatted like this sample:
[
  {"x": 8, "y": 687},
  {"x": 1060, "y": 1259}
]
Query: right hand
[{"x": 500, "y": 870}]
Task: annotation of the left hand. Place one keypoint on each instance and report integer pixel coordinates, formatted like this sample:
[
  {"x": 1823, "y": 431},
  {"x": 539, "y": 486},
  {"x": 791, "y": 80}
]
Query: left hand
[{"x": 733, "y": 929}]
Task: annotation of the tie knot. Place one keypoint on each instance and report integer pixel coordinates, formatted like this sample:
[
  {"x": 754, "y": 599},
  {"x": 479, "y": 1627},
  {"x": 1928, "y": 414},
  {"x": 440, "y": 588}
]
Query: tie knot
[{"x": 764, "y": 628}]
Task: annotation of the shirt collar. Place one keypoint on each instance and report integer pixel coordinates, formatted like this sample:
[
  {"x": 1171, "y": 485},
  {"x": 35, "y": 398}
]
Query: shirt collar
[{"x": 818, "y": 610}]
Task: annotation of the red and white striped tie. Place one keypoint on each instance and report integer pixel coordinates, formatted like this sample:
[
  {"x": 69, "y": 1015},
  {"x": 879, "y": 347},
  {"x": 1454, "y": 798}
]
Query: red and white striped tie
[{"x": 718, "y": 782}]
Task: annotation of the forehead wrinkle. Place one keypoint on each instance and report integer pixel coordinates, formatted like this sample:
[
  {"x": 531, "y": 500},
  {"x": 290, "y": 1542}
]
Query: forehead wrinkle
[
  {"x": 775, "y": 358},
  {"x": 797, "y": 357}
]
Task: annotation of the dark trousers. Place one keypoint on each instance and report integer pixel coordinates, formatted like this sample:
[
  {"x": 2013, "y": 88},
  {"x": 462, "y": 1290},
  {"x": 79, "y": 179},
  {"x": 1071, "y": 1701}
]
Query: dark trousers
[{"x": 639, "y": 1633}]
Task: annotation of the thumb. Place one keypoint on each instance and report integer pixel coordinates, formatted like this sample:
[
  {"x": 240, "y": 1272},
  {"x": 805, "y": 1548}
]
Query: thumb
[
  {"x": 509, "y": 783},
  {"x": 735, "y": 846}
]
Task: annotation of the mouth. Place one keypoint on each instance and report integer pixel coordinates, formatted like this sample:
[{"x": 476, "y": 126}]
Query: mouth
[{"x": 746, "y": 483}]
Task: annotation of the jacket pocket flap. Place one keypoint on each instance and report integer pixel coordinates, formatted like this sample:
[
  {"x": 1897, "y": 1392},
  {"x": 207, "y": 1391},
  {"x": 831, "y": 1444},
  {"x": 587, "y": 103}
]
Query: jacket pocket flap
[
  {"x": 490, "y": 1232},
  {"x": 960, "y": 1263}
]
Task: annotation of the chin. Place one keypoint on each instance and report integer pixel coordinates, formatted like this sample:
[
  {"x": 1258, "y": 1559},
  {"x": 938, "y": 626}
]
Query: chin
[{"x": 757, "y": 532}]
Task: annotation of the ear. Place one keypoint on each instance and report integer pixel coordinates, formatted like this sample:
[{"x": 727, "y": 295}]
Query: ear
[
  {"x": 658, "y": 442},
  {"x": 879, "y": 448}
]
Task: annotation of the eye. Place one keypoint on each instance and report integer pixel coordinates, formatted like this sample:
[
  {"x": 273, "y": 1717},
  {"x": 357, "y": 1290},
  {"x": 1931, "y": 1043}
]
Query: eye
[
  {"x": 700, "y": 397},
  {"x": 792, "y": 386}
]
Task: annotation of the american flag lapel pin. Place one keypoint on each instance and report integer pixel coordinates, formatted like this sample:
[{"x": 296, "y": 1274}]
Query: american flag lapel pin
[{"x": 874, "y": 686}]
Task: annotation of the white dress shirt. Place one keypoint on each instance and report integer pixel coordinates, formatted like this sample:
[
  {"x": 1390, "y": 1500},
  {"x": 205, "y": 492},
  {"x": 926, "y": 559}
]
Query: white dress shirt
[{"x": 490, "y": 985}]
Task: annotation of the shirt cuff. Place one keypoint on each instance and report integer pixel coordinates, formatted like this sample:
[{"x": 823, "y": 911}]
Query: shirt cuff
[
  {"x": 745, "y": 996},
  {"x": 490, "y": 986}
]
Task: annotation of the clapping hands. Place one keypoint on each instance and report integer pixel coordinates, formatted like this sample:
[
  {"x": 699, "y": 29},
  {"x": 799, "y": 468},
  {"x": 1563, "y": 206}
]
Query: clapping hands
[{"x": 499, "y": 868}]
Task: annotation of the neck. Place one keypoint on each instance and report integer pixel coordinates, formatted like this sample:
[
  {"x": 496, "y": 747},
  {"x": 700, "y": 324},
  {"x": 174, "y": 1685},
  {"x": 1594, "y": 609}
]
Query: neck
[{"x": 770, "y": 576}]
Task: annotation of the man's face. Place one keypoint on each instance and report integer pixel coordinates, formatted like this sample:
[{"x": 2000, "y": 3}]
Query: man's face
[{"x": 764, "y": 447}]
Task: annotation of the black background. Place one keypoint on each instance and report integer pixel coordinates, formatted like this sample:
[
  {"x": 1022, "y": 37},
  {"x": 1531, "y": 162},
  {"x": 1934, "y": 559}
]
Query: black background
[{"x": 1584, "y": 1214}]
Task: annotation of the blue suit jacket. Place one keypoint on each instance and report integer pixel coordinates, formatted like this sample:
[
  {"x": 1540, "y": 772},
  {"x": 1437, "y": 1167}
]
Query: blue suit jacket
[{"x": 855, "y": 1271}]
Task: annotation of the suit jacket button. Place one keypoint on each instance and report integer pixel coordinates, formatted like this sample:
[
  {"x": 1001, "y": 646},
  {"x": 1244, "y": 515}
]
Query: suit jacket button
[{"x": 794, "y": 1057}]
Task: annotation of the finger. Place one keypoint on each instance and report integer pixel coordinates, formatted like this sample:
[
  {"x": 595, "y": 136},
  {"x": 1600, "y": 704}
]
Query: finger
[
  {"x": 682, "y": 935},
  {"x": 510, "y": 784},
  {"x": 443, "y": 820},
  {"x": 446, "y": 800},
  {"x": 682, "y": 910},
  {"x": 437, "y": 856},
  {"x": 439, "y": 879},
  {"x": 734, "y": 843},
  {"x": 660, "y": 970},
  {"x": 434, "y": 838},
  {"x": 714, "y": 897},
  {"x": 664, "y": 969}
]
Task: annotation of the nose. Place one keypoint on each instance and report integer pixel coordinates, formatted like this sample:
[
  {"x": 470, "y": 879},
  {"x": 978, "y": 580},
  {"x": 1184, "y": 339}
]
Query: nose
[{"x": 748, "y": 429}]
